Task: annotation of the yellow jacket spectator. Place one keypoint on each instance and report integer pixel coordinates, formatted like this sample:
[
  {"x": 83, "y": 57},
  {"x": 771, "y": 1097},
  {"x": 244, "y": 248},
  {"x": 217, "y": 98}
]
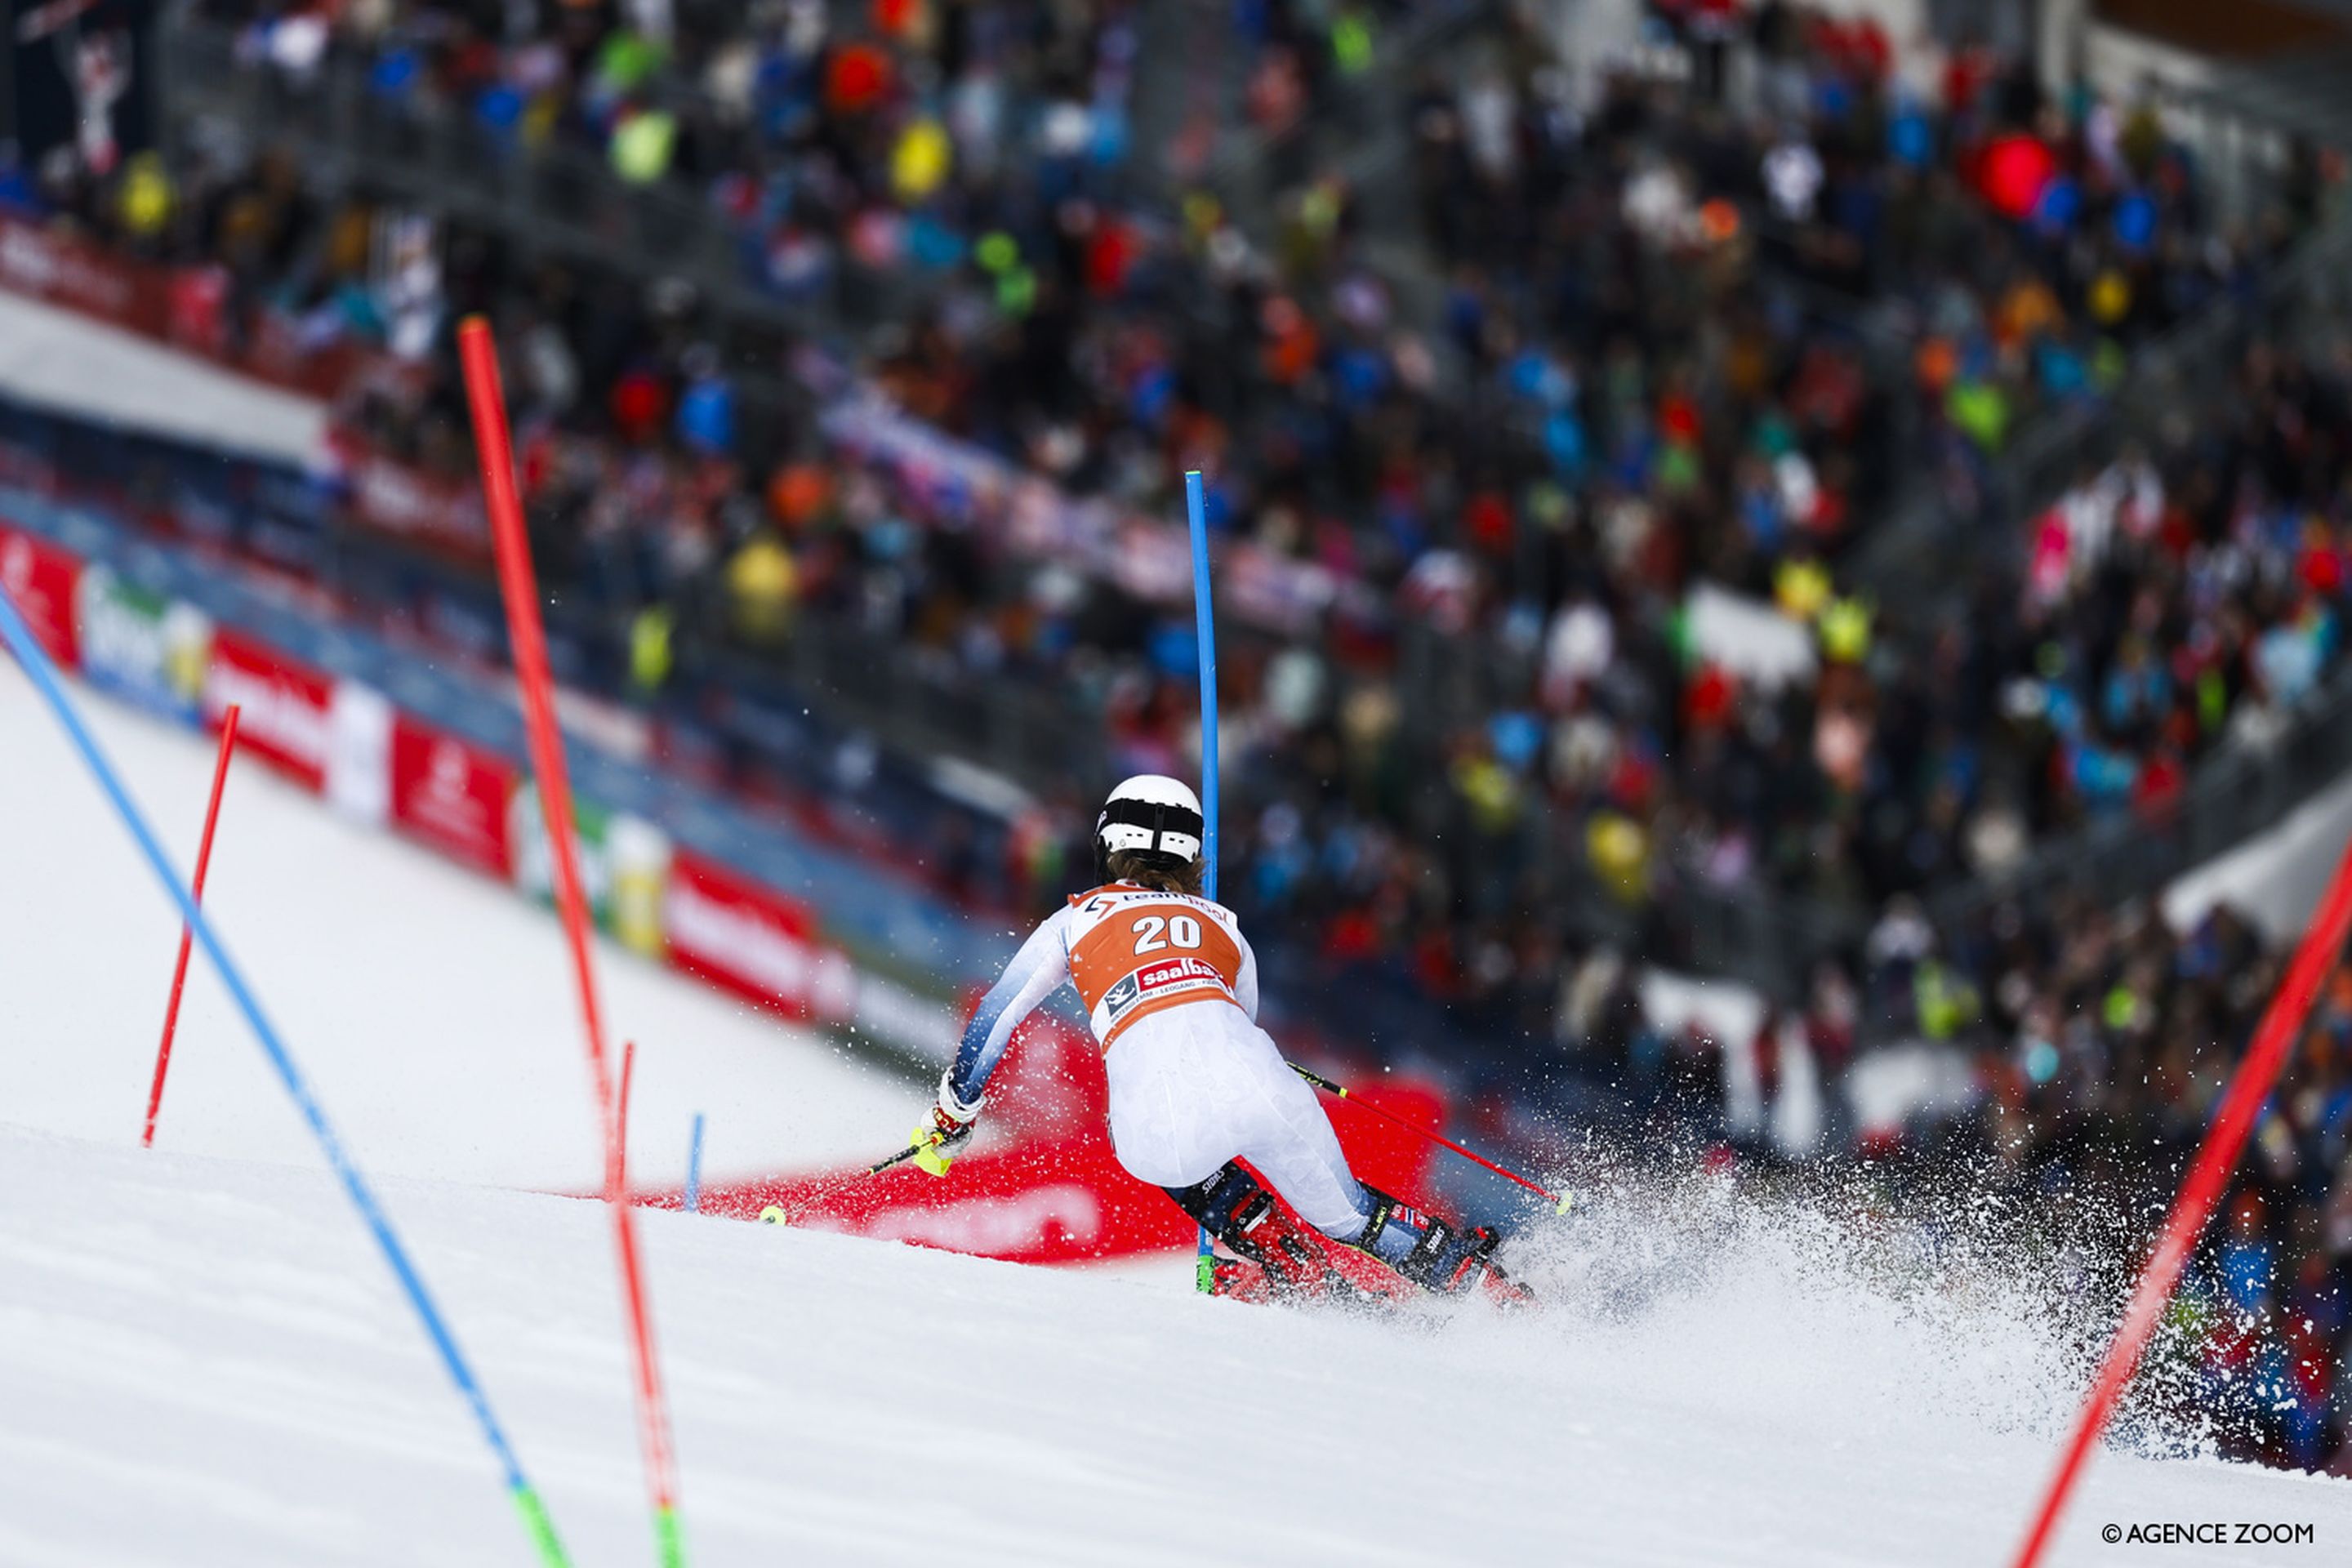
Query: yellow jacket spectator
[
  {"x": 642, "y": 145},
  {"x": 649, "y": 647},
  {"x": 1844, "y": 630},
  {"x": 762, "y": 583},
  {"x": 1801, "y": 586},
  {"x": 146, "y": 197}
]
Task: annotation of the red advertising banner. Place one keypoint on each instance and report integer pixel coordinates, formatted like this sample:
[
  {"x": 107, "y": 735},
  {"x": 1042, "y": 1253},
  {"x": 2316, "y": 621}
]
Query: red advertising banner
[
  {"x": 47, "y": 266},
  {"x": 287, "y": 719},
  {"x": 1043, "y": 1184},
  {"x": 739, "y": 935},
  {"x": 41, "y": 577},
  {"x": 453, "y": 795},
  {"x": 196, "y": 310}
]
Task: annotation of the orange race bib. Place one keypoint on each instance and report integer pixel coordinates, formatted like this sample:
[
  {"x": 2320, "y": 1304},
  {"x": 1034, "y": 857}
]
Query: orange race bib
[{"x": 1135, "y": 952}]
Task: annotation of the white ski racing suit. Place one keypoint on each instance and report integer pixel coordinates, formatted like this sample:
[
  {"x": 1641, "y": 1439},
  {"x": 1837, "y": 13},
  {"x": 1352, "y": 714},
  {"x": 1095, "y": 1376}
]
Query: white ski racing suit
[{"x": 1170, "y": 990}]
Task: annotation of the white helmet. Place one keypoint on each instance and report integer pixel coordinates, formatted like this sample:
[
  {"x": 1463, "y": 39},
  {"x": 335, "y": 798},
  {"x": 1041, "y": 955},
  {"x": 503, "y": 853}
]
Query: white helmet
[{"x": 1153, "y": 815}]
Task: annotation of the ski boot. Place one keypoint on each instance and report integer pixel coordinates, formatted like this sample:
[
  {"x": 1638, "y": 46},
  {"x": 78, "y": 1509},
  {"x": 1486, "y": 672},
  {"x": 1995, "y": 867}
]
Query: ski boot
[
  {"x": 1238, "y": 1279},
  {"x": 1435, "y": 1255},
  {"x": 1235, "y": 1209}
]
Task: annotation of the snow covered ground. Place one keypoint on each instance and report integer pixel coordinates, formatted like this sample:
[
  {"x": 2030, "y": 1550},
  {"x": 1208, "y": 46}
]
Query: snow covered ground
[{"x": 203, "y": 1362}]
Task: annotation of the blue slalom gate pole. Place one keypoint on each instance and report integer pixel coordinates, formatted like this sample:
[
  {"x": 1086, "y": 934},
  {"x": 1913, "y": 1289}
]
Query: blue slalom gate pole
[
  {"x": 1204, "y": 621},
  {"x": 694, "y": 1168},
  {"x": 35, "y": 659}
]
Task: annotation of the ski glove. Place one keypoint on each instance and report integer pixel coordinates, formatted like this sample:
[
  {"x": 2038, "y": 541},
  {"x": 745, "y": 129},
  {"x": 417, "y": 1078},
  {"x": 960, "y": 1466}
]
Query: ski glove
[{"x": 938, "y": 1135}]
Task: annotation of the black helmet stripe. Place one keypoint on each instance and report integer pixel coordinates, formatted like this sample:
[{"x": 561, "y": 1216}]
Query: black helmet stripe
[{"x": 1160, "y": 818}]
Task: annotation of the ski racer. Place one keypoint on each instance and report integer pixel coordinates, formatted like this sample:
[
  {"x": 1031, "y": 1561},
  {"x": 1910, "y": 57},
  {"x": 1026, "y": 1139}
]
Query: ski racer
[{"x": 1170, "y": 989}]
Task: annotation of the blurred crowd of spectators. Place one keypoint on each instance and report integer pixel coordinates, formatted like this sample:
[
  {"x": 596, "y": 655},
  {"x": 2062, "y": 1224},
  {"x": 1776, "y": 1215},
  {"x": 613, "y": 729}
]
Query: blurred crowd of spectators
[
  {"x": 2184, "y": 597},
  {"x": 2007, "y": 253},
  {"x": 900, "y": 134},
  {"x": 896, "y": 144},
  {"x": 1702, "y": 328},
  {"x": 1692, "y": 330},
  {"x": 1705, "y": 327}
]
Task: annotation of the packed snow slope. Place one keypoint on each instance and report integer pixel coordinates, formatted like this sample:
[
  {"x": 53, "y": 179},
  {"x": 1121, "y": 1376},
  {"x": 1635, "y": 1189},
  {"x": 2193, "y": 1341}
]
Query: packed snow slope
[
  {"x": 204, "y": 1363},
  {"x": 431, "y": 1007}
]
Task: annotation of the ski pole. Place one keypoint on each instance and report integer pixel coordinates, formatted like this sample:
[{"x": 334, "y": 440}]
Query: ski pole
[
  {"x": 774, "y": 1213},
  {"x": 903, "y": 1155},
  {"x": 1561, "y": 1202}
]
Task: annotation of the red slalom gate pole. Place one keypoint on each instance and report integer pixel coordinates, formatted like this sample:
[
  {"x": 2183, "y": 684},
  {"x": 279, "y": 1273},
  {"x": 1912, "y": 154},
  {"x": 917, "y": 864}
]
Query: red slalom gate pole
[
  {"x": 519, "y": 588},
  {"x": 621, "y": 1134},
  {"x": 196, "y": 888},
  {"x": 1561, "y": 1202},
  {"x": 2200, "y": 1190}
]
